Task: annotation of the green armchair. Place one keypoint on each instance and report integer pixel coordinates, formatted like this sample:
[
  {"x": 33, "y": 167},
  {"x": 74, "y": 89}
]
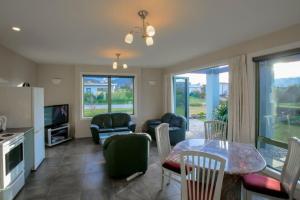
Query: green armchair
[
  {"x": 177, "y": 127},
  {"x": 110, "y": 122},
  {"x": 126, "y": 154}
]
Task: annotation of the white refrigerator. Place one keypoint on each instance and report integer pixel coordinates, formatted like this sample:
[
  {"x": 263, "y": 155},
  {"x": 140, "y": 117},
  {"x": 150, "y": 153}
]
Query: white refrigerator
[{"x": 24, "y": 107}]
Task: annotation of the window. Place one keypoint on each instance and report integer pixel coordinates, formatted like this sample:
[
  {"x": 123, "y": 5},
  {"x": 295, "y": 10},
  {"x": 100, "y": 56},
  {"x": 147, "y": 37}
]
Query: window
[
  {"x": 102, "y": 94},
  {"x": 278, "y": 106}
]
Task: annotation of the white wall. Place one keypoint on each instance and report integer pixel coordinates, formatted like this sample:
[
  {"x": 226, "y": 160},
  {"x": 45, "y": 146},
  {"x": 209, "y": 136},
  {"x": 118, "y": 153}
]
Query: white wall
[
  {"x": 62, "y": 93},
  {"x": 279, "y": 38},
  {"x": 15, "y": 69}
]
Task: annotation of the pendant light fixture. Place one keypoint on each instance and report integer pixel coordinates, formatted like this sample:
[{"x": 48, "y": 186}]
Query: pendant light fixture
[
  {"x": 146, "y": 30},
  {"x": 116, "y": 62}
]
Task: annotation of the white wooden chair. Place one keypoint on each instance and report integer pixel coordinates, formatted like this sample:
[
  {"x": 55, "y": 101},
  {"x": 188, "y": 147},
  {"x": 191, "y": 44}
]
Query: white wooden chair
[
  {"x": 215, "y": 130},
  {"x": 164, "y": 148},
  {"x": 201, "y": 175},
  {"x": 270, "y": 188}
]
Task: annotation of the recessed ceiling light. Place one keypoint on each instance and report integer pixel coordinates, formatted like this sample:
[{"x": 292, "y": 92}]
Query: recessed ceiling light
[{"x": 14, "y": 28}]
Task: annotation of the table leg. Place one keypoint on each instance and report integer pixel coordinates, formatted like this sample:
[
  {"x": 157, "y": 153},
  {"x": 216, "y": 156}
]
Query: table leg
[{"x": 231, "y": 188}]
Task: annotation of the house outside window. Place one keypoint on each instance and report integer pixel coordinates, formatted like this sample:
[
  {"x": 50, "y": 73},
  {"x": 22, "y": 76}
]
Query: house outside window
[
  {"x": 278, "y": 105},
  {"x": 102, "y": 94}
]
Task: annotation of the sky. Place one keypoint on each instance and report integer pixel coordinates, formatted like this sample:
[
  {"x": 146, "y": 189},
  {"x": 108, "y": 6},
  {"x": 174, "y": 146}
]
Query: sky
[
  {"x": 286, "y": 70},
  {"x": 201, "y": 78}
]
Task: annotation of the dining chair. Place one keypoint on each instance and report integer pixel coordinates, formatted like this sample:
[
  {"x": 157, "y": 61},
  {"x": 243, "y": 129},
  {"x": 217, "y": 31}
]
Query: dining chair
[
  {"x": 201, "y": 175},
  {"x": 215, "y": 129},
  {"x": 270, "y": 188},
  {"x": 169, "y": 168}
]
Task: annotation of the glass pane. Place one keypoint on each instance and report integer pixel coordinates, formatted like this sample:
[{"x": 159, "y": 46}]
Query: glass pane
[
  {"x": 274, "y": 156},
  {"x": 122, "y": 94},
  {"x": 181, "y": 96},
  {"x": 95, "y": 95},
  {"x": 279, "y": 107}
]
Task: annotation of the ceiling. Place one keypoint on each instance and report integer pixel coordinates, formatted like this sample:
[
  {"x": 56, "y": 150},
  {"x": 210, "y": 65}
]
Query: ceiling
[{"x": 92, "y": 31}]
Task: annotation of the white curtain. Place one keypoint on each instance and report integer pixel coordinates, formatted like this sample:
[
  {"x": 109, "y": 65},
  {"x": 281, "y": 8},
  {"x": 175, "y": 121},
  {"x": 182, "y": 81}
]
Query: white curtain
[
  {"x": 241, "y": 106},
  {"x": 168, "y": 93}
]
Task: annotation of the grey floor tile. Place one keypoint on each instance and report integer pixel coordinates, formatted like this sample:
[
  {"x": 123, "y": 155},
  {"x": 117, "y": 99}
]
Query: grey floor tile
[{"x": 75, "y": 170}]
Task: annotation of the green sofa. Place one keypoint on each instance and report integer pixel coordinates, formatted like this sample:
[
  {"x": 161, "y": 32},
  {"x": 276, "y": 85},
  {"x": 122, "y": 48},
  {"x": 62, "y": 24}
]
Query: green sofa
[
  {"x": 177, "y": 127},
  {"x": 126, "y": 154},
  {"x": 111, "y": 122}
]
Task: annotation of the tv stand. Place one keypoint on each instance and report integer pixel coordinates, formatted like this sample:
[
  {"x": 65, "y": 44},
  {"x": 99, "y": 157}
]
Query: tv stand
[{"x": 57, "y": 135}]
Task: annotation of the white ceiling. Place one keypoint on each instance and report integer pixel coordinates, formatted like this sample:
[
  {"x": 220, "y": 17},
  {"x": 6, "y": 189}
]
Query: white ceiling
[{"x": 92, "y": 31}]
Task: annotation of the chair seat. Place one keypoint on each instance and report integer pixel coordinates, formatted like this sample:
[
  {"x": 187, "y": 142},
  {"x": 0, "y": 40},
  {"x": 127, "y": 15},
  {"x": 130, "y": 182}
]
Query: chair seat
[
  {"x": 264, "y": 185},
  {"x": 172, "y": 166}
]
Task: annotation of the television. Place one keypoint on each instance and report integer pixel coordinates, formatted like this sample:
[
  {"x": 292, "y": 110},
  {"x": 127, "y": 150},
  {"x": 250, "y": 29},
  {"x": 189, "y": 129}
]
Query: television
[{"x": 56, "y": 115}]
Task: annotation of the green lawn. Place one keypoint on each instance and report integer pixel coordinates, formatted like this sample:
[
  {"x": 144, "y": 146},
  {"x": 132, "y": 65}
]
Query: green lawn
[
  {"x": 289, "y": 105},
  {"x": 284, "y": 131},
  {"x": 197, "y": 105},
  {"x": 93, "y": 112}
]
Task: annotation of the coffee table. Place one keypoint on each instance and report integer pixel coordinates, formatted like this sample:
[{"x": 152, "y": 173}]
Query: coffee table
[{"x": 104, "y": 136}]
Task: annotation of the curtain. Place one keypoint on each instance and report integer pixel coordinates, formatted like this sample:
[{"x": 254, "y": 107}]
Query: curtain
[
  {"x": 241, "y": 105},
  {"x": 168, "y": 93}
]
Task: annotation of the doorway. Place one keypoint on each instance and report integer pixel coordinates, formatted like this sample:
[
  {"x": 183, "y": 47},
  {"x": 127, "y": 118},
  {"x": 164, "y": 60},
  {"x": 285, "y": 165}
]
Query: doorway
[{"x": 202, "y": 95}]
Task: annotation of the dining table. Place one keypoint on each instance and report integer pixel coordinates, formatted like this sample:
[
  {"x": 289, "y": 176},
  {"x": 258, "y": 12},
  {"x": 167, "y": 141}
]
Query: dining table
[{"x": 240, "y": 159}]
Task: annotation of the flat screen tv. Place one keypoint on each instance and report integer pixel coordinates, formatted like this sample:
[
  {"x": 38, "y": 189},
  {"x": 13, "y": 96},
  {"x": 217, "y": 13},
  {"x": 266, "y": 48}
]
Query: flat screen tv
[{"x": 56, "y": 115}]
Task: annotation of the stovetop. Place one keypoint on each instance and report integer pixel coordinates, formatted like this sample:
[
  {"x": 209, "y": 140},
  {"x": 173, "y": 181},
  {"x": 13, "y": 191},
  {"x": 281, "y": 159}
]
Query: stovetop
[{"x": 4, "y": 137}]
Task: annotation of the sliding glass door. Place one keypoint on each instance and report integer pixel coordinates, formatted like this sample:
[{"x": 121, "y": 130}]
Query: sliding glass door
[{"x": 181, "y": 100}]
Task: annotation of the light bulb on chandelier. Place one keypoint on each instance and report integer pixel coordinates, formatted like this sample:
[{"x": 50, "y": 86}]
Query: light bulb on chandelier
[
  {"x": 147, "y": 30},
  {"x": 150, "y": 30},
  {"x": 149, "y": 41},
  {"x": 115, "y": 63},
  {"x": 129, "y": 38}
]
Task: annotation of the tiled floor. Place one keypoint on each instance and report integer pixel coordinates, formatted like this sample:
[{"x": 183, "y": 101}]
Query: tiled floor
[{"x": 76, "y": 170}]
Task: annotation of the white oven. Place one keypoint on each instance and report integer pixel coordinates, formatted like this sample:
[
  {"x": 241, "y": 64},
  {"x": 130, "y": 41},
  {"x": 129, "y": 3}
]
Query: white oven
[{"x": 12, "y": 161}]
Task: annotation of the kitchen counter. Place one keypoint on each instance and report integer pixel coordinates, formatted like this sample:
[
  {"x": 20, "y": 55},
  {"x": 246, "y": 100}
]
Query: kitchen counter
[{"x": 17, "y": 130}]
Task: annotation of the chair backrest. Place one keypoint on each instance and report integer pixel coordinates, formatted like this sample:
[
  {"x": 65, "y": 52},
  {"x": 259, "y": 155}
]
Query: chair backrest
[
  {"x": 201, "y": 175},
  {"x": 163, "y": 141},
  {"x": 215, "y": 129},
  {"x": 291, "y": 168}
]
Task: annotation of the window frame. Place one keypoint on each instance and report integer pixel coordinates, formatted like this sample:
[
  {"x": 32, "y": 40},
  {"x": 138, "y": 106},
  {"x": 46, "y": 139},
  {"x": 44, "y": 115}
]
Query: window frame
[{"x": 109, "y": 77}]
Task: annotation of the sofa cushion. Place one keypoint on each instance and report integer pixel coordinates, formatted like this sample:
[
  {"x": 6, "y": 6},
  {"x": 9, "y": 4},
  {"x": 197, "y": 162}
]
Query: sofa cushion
[
  {"x": 120, "y": 119},
  {"x": 264, "y": 185},
  {"x": 102, "y": 120},
  {"x": 117, "y": 129},
  {"x": 106, "y": 130}
]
